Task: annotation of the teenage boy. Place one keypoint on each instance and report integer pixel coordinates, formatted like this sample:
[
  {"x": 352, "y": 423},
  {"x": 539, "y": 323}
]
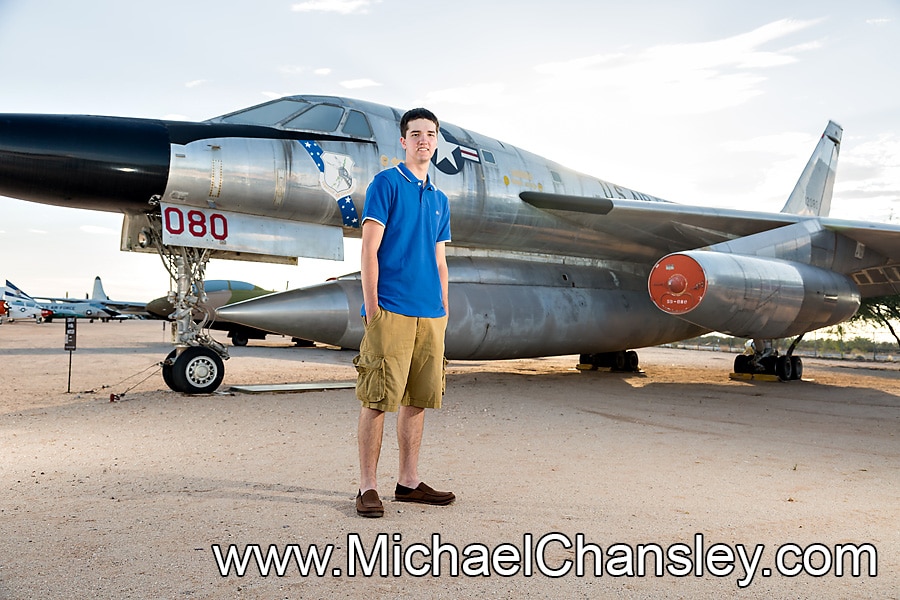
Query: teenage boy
[{"x": 406, "y": 222}]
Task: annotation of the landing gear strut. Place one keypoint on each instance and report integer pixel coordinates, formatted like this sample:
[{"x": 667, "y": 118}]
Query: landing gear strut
[
  {"x": 196, "y": 365},
  {"x": 762, "y": 358}
]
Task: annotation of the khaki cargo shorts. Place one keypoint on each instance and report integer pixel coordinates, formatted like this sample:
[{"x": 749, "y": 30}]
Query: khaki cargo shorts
[{"x": 401, "y": 362}]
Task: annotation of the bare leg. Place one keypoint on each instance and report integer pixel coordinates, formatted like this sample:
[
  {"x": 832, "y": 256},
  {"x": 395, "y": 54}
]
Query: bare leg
[
  {"x": 410, "y": 425},
  {"x": 369, "y": 432}
]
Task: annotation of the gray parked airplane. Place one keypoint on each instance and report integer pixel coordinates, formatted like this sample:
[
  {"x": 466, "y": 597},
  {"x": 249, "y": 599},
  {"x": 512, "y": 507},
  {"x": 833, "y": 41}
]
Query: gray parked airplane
[{"x": 544, "y": 260}]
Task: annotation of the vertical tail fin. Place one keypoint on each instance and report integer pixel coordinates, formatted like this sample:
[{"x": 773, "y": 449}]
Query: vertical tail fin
[
  {"x": 98, "y": 293},
  {"x": 812, "y": 194},
  {"x": 14, "y": 292}
]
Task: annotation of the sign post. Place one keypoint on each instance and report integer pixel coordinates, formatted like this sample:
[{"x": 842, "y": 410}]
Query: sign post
[{"x": 70, "y": 346}]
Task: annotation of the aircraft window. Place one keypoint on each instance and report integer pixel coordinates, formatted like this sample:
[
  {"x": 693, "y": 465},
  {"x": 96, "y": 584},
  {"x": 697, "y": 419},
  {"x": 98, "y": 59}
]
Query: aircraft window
[
  {"x": 266, "y": 114},
  {"x": 357, "y": 125},
  {"x": 556, "y": 177},
  {"x": 488, "y": 157},
  {"x": 321, "y": 117}
]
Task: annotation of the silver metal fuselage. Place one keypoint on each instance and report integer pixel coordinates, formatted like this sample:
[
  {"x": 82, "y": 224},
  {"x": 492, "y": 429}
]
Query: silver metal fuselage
[
  {"x": 524, "y": 282},
  {"x": 543, "y": 260}
]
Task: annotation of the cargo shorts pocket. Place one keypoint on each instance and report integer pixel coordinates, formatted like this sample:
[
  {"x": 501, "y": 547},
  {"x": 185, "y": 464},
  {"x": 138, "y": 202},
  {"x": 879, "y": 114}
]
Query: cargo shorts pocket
[
  {"x": 370, "y": 379},
  {"x": 444, "y": 375}
]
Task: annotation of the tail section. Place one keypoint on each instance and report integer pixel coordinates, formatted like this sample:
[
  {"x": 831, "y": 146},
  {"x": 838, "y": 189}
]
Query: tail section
[
  {"x": 13, "y": 292},
  {"x": 812, "y": 194},
  {"x": 98, "y": 293}
]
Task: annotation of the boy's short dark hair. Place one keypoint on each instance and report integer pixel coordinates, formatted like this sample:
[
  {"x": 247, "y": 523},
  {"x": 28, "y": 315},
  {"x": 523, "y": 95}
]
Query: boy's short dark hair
[{"x": 417, "y": 113}]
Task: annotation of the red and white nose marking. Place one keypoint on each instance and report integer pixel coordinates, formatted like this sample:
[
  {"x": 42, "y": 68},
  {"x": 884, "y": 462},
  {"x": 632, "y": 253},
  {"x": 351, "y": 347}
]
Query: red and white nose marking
[{"x": 677, "y": 284}]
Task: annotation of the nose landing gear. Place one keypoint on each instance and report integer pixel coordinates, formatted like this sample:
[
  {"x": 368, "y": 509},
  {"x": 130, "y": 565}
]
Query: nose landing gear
[{"x": 196, "y": 365}]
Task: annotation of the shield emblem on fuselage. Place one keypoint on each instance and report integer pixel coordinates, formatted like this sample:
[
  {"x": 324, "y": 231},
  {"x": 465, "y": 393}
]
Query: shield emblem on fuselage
[{"x": 337, "y": 176}]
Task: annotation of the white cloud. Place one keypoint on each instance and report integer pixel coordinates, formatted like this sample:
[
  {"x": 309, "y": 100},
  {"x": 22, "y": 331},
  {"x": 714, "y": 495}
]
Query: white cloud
[
  {"x": 95, "y": 230},
  {"x": 878, "y": 22},
  {"x": 291, "y": 69},
  {"x": 787, "y": 144},
  {"x": 196, "y": 83},
  {"x": 694, "y": 78},
  {"x": 344, "y": 7},
  {"x": 322, "y": 71},
  {"x": 356, "y": 84},
  {"x": 485, "y": 94}
]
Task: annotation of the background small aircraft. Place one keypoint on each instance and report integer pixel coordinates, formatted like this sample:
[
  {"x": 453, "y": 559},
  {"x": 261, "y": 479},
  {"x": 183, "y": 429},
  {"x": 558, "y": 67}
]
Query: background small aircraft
[
  {"x": 19, "y": 312},
  {"x": 55, "y": 308},
  {"x": 122, "y": 308}
]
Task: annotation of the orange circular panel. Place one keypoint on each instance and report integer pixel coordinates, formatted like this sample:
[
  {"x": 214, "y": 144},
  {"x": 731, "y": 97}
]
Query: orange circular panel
[{"x": 677, "y": 284}]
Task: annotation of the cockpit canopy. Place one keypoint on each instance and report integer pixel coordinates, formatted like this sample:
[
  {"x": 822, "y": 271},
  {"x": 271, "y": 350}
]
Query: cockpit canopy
[{"x": 299, "y": 114}]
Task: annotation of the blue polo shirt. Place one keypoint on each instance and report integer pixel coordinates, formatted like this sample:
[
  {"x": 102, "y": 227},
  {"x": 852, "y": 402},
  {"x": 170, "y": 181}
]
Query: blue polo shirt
[{"x": 416, "y": 216}]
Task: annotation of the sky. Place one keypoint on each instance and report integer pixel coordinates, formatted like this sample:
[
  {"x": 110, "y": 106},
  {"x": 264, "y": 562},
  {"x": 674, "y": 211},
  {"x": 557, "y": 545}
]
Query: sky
[{"x": 709, "y": 102}]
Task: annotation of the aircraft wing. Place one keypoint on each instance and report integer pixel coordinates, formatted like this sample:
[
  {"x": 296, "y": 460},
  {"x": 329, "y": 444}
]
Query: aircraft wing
[
  {"x": 128, "y": 308},
  {"x": 644, "y": 231},
  {"x": 880, "y": 280}
]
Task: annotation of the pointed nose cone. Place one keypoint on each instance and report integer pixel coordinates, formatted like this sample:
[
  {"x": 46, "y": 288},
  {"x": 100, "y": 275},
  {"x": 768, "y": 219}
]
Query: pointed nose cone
[
  {"x": 326, "y": 313},
  {"x": 99, "y": 163}
]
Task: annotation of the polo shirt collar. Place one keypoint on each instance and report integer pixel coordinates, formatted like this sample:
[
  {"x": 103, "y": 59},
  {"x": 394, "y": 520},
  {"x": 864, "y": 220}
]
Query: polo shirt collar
[{"x": 404, "y": 170}]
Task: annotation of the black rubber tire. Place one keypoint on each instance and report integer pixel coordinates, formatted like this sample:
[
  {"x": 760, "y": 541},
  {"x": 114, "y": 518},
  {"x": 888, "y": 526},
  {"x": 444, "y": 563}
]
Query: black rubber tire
[
  {"x": 167, "y": 371},
  {"x": 783, "y": 368},
  {"x": 796, "y": 368},
  {"x": 198, "y": 370},
  {"x": 632, "y": 362}
]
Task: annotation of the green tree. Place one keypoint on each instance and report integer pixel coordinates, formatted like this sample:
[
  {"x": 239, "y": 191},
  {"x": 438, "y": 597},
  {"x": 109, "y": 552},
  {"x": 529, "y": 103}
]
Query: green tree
[{"x": 884, "y": 311}]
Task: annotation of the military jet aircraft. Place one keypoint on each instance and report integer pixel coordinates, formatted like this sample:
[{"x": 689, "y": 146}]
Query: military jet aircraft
[
  {"x": 55, "y": 308},
  {"x": 544, "y": 260},
  {"x": 125, "y": 308},
  {"x": 21, "y": 311}
]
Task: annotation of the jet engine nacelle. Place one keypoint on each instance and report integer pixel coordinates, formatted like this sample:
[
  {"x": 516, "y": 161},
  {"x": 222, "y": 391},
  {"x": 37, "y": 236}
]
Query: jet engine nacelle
[{"x": 750, "y": 296}]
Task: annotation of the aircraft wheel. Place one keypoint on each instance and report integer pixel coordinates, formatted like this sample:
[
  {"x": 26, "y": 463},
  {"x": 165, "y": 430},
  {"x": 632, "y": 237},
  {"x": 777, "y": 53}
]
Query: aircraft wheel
[
  {"x": 632, "y": 362},
  {"x": 167, "y": 371},
  {"x": 796, "y": 367},
  {"x": 198, "y": 370},
  {"x": 239, "y": 339},
  {"x": 742, "y": 363},
  {"x": 783, "y": 368}
]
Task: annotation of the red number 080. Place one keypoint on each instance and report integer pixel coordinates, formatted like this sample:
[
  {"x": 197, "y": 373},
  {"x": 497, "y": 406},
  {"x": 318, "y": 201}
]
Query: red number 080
[{"x": 196, "y": 223}]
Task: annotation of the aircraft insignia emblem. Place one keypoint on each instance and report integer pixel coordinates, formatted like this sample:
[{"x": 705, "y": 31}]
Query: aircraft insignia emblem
[
  {"x": 336, "y": 178},
  {"x": 450, "y": 154}
]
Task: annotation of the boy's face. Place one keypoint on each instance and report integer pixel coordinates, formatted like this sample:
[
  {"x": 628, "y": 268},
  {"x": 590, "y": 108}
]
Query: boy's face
[{"x": 420, "y": 142}]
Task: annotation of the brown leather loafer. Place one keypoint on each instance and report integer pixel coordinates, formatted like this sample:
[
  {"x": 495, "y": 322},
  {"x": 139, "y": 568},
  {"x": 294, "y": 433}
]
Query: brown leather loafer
[
  {"x": 423, "y": 494},
  {"x": 369, "y": 504}
]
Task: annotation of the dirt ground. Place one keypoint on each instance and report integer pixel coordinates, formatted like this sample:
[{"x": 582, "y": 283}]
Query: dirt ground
[{"x": 128, "y": 499}]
